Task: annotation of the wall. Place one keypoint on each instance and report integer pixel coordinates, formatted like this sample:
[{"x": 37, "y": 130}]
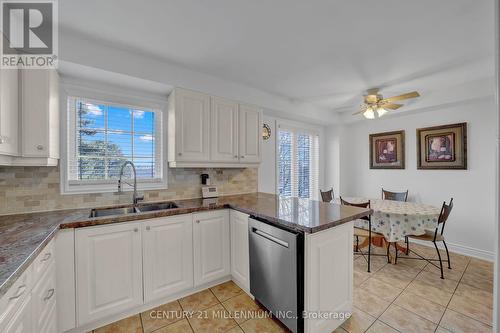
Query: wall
[
  {"x": 32, "y": 189},
  {"x": 471, "y": 225}
]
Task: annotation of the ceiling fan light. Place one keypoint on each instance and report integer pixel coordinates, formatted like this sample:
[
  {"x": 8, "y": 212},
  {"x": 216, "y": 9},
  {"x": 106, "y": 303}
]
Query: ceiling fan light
[
  {"x": 381, "y": 112},
  {"x": 369, "y": 114}
]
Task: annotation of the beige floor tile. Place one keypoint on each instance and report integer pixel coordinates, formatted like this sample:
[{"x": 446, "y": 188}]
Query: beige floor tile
[
  {"x": 380, "y": 327},
  {"x": 376, "y": 263},
  {"x": 394, "y": 279},
  {"x": 161, "y": 316},
  {"x": 406, "y": 321},
  {"x": 452, "y": 274},
  {"x": 433, "y": 294},
  {"x": 475, "y": 280},
  {"x": 266, "y": 325},
  {"x": 212, "y": 320},
  {"x": 242, "y": 308},
  {"x": 128, "y": 325},
  {"x": 226, "y": 290},
  {"x": 340, "y": 330},
  {"x": 360, "y": 277},
  {"x": 385, "y": 291},
  {"x": 483, "y": 273},
  {"x": 398, "y": 270},
  {"x": 410, "y": 262},
  {"x": 199, "y": 301},
  {"x": 181, "y": 326},
  {"x": 475, "y": 294},
  {"x": 420, "y": 306},
  {"x": 358, "y": 322},
  {"x": 369, "y": 303},
  {"x": 459, "y": 323},
  {"x": 435, "y": 280},
  {"x": 442, "y": 330},
  {"x": 487, "y": 265},
  {"x": 474, "y": 310},
  {"x": 235, "y": 329}
]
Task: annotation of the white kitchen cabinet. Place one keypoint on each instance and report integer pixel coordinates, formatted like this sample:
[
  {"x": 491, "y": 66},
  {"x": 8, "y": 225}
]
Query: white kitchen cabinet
[
  {"x": 40, "y": 116},
  {"x": 44, "y": 299},
  {"x": 168, "y": 256},
  {"x": 250, "y": 133},
  {"x": 211, "y": 246},
  {"x": 22, "y": 322},
  {"x": 188, "y": 126},
  {"x": 9, "y": 112},
  {"x": 240, "y": 259},
  {"x": 224, "y": 131},
  {"x": 108, "y": 270}
]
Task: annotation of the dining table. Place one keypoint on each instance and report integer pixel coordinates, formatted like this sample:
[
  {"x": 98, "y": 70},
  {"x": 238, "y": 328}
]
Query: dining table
[{"x": 397, "y": 219}]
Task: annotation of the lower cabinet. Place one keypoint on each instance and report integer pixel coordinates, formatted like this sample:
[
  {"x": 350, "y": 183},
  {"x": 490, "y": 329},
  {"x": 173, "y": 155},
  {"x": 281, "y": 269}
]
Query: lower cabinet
[
  {"x": 22, "y": 322},
  {"x": 108, "y": 270},
  {"x": 211, "y": 246},
  {"x": 240, "y": 257},
  {"x": 168, "y": 256}
]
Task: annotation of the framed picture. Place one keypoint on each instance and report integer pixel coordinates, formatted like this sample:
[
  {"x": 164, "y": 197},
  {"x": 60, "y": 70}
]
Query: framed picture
[
  {"x": 442, "y": 147},
  {"x": 387, "y": 150}
]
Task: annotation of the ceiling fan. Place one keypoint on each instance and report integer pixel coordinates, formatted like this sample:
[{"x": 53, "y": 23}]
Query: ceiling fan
[{"x": 375, "y": 102}]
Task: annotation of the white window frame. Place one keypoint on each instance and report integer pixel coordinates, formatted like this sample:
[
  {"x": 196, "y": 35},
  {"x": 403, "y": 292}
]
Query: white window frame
[
  {"x": 129, "y": 100},
  {"x": 303, "y": 129}
]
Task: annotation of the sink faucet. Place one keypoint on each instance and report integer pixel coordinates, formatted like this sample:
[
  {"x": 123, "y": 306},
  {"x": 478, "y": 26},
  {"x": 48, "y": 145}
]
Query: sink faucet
[{"x": 135, "y": 197}]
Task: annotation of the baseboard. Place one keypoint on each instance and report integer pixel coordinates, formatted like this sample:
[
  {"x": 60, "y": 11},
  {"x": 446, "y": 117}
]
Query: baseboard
[{"x": 461, "y": 249}]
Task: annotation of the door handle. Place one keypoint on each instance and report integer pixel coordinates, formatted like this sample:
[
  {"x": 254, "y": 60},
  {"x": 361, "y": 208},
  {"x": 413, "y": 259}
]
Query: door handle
[{"x": 270, "y": 237}]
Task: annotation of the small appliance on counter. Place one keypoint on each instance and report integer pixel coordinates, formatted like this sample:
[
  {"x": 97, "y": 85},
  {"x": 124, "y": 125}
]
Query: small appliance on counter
[{"x": 207, "y": 190}]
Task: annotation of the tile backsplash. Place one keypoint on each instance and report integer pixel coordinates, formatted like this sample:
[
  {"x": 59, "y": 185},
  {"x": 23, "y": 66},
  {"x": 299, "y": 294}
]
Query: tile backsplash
[{"x": 32, "y": 189}]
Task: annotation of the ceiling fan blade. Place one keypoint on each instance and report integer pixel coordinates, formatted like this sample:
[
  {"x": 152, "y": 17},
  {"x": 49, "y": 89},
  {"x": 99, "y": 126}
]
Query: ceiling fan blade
[
  {"x": 372, "y": 91},
  {"x": 363, "y": 109},
  {"x": 409, "y": 95},
  {"x": 391, "y": 106}
]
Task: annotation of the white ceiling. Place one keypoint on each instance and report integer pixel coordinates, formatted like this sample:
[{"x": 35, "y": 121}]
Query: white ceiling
[{"x": 324, "y": 52}]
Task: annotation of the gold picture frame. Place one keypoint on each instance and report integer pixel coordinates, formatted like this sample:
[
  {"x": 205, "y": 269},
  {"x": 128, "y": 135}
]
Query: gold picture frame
[{"x": 387, "y": 150}]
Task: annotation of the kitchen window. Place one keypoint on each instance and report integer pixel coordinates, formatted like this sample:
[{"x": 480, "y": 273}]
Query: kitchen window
[
  {"x": 102, "y": 136},
  {"x": 298, "y": 162}
]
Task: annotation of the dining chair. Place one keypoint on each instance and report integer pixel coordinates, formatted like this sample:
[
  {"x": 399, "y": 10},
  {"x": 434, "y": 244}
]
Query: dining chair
[
  {"x": 327, "y": 196},
  {"x": 360, "y": 232},
  {"x": 436, "y": 236},
  {"x": 394, "y": 196}
]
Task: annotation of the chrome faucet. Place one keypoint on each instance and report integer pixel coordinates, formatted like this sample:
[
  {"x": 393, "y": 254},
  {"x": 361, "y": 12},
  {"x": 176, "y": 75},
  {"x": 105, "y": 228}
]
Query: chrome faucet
[{"x": 135, "y": 197}]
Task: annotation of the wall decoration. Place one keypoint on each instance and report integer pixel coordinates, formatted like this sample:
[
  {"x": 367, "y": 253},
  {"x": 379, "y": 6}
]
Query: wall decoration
[
  {"x": 266, "y": 131},
  {"x": 387, "y": 150},
  {"x": 442, "y": 147}
]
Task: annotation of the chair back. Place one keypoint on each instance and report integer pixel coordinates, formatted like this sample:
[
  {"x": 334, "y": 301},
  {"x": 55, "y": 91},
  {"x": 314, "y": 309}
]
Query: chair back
[
  {"x": 445, "y": 213},
  {"x": 395, "y": 196},
  {"x": 326, "y": 196},
  {"x": 360, "y": 205}
]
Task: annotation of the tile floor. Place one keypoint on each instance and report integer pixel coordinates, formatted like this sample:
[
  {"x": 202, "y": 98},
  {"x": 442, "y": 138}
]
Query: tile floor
[{"x": 407, "y": 297}]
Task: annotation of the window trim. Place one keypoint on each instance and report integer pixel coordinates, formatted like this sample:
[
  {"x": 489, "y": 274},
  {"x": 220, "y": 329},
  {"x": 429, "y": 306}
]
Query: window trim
[
  {"x": 128, "y": 99},
  {"x": 310, "y": 129}
]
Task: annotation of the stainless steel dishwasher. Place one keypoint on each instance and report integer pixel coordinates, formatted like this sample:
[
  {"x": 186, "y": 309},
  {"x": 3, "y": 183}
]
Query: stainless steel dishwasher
[{"x": 277, "y": 272}]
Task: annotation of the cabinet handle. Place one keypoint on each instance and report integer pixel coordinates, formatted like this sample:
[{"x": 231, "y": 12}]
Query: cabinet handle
[
  {"x": 235, "y": 156},
  {"x": 136, "y": 229},
  {"x": 49, "y": 294},
  {"x": 197, "y": 221},
  {"x": 180, "y": 154},
  {"x": 148, "y": 228},
  {"x": 46, "y": 257},
  {"x": 20, "y": 290},
  {"x": 39, "y": 147},
  {"x": 242, "y": 156}
]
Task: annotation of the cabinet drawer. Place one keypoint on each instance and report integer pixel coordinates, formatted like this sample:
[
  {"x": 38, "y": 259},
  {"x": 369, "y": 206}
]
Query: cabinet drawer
[
  {"x": 44, "y": 297},
  {"x": 43, "y": 260},
  {"x": 15, "y": 296}
]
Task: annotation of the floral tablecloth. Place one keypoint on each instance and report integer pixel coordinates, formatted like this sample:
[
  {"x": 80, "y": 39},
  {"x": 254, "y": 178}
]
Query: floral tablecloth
[{"x": 396, "y": 219}]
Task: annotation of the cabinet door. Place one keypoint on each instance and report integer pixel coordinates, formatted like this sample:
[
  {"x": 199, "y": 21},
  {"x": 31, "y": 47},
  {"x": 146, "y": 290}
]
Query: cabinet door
[
  {"x": 240, "y": 264},
  {"x": 108, "y": 270},
  {"x": 22, "y": 322},
  {"x": 9, "y": 111},
  {"x": 224, "y": 130},
  {"x": 44, "y": 298},
  {"x": 192, "y": 113},
  {"x": 168, "y": 256},
  {"x": 211, "y": 246},
  {"x": 250, "y": 133}
]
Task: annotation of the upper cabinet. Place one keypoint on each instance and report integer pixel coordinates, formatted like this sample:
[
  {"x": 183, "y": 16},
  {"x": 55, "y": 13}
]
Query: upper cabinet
[
  {"x": 210, "y": 131},
  {"x": 29, "y": 117}
]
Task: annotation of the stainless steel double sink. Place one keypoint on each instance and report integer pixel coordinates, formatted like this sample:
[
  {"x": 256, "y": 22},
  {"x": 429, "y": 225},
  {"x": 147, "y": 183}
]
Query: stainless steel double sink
[{"x": 99, "y": 212}]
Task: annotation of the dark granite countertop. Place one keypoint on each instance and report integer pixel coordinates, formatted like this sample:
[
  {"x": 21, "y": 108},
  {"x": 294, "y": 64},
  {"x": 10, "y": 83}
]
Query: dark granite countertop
[{"x": 23, "y": 236}]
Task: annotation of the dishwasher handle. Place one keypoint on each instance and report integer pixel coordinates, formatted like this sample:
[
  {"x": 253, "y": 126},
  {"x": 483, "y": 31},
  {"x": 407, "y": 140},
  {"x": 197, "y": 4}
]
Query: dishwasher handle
[{"x": 269, "y": 237}]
